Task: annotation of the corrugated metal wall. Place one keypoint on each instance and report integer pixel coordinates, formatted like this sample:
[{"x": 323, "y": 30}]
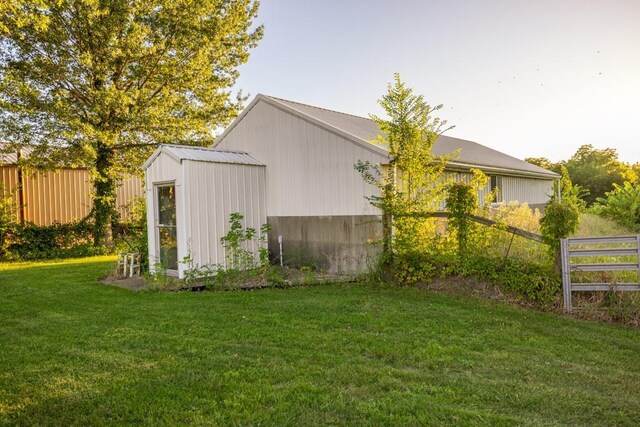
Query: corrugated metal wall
[
  {"x": 9, "y": 176},
  {"x": 309, "y": 169},
  {"x": 213, "y": 191},
  {"x": 526, "y": 190},
  {"x": 65, "y": 195},
  {"x": 206, "y": 194}
]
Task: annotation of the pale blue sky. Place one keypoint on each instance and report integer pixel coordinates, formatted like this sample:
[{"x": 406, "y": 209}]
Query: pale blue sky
[{"x": 529, "y": 78}]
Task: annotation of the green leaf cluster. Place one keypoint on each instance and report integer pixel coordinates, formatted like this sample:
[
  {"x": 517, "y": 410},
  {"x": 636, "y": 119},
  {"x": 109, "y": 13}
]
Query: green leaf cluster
[
  {"x": 622, "y": 204},
  {"x": 99, "y": 83},
  {"x": 593, "y": 171},
  {"x": 411, "y": 183},
  {"x": 462, "y": 201},
  {"x": 237, "y": 240}
]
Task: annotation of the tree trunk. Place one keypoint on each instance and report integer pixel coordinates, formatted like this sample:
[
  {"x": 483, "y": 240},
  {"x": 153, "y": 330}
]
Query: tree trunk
[{"x": 104, "y": 197}]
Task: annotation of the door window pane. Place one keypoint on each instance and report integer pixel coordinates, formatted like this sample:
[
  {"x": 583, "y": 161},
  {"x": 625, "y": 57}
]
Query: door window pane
[
  {"x": 168, "y": 247},
  {"x": 167, "y": 205},
  {"x": 166, "y": 226}
]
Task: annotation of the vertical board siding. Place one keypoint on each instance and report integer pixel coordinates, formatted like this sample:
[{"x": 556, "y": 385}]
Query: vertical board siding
[
  {"x": 206, "y": 195},
  {"x": 65, "y": 195},
  {"x": 61, "y": 196},
  {"x": 298, "y": 155},
  {"x": 310, "y": 169},
  {"x": 9, "y": 176},
  {"x": 217, "y": 190},
  {"x": 129, "y": 190},
  {"x": 526, "y": 190}
]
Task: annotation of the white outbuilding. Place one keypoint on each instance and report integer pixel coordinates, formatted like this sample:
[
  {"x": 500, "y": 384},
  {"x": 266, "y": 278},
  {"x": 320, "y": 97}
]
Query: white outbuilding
[
  {"x": 304, "y": 184},
  {"x": 191, "y": 193}
]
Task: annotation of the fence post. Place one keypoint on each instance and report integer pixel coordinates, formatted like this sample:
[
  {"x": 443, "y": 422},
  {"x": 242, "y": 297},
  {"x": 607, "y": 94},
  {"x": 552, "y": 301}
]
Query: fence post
[
  {"x": 566, "y": 275},
  {"x": 638, "y": 247}
]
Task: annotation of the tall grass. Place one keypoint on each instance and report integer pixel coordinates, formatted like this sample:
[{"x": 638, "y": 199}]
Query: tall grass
[{"x": 595, "y": 225}]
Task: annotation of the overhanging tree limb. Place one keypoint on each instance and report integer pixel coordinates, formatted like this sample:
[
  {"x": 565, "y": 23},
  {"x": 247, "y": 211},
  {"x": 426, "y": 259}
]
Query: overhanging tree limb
[{"x": 102, "y": 83}]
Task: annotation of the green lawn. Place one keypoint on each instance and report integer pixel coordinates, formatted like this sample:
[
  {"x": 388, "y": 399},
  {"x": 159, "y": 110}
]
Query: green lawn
[{"x": 76, "y": 352}]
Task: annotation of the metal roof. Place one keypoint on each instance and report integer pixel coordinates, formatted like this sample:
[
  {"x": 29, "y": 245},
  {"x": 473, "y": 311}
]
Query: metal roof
[
  {"x": 471, "y": 153},
  {"x": 201, "y": 154},
  {"x": 11, "y": 158}
]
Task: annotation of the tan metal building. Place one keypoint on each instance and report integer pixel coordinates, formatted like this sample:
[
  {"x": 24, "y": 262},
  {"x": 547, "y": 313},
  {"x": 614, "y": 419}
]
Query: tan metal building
[{"x": 61, "y": 196}]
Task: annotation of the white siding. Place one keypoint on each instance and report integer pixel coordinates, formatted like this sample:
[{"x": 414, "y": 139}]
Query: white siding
[
  {"x": 163, "y": 170},
  {"x": 513, "y": 189},
  {"x": 310, "y": 170},
  {"x": 212, "y": 192},
  {"x": 206, "y": 194},
  {"x": 526, "y": 190}
]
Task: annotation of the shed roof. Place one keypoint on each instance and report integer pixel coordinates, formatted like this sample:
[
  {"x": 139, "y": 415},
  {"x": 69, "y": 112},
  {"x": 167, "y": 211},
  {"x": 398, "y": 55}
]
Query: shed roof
[
  {"x": 364, "y": 132},
  {"x": 201, "y": 154}
]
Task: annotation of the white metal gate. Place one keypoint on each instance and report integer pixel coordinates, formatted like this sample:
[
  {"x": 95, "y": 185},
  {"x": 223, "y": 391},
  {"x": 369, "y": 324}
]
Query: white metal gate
[{"x": 612, "y": 248}]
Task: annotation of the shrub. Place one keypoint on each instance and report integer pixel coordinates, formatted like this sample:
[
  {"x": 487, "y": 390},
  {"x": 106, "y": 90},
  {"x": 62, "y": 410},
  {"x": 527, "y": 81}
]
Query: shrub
[
  {"x": 560, "y": 220},
  {"x": 622, "y": 204},
  {"x": 30, "y": 241},
  {"x": 462, "y": 201},
  {"x": 236, "y": 240},
  {"x": 133, "y": 233},
  {"x": 7, "y": 218}
]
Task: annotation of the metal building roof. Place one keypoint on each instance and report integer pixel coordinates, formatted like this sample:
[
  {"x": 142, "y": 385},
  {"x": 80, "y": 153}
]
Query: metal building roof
[
  {"x": 471, "y": 153},
  {"x": 201, "y": 154},
  {"x": 11, "y": 158}
]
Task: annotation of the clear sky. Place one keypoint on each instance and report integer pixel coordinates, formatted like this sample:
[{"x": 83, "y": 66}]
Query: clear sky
[{"x": 532, "y": 78}]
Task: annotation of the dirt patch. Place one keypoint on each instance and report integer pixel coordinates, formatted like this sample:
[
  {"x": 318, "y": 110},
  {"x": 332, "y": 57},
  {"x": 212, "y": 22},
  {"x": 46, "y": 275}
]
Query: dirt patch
[
  {"x": 470, "y": 285},
  {"x": 277, "y": 277},
  {"x": 130, "y": 283}
]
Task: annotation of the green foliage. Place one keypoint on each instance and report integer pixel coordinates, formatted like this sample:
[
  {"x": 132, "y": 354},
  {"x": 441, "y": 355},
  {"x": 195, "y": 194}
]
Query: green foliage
[
  {"x": 412, "y": 186},
  {"x": 623, "y": 307},
  {"x": 533, "y": 282},
  {"x": 33, "y": 242},
  {"x": 101, "y": 83},
  {"x": 560, "y": 220},
  {"x": 193, "y": 273},
  {"x": 411, "y": 183},
  {"x": 70, "y": 240},
  {"x": 263, "y": 248},
  {"x": 561, "y": 217},
  {"x": 134, "y": 233},
  {"x": 413, "y": 267},
  {"x": 238, "y": 256},
  {"x": 7, "y": 218},
  {"x": 622, "y": 204},
  {"x": 595, "y": 170},
  {"x": 462, "y": 201},
  {"x": 569, "y": 192}
]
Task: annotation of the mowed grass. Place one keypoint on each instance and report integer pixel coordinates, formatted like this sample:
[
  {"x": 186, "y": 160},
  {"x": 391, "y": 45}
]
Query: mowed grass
[{"x": 75, "y": 352}]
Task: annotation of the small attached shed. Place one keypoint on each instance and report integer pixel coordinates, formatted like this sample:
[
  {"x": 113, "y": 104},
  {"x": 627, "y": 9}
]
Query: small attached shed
[{"x": 191, "y": 193}]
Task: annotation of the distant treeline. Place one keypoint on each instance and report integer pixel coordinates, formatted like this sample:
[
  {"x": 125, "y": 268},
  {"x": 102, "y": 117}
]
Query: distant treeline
[
  {"x": 594, "y": 170},
  {"x": 607, "y": 186}
]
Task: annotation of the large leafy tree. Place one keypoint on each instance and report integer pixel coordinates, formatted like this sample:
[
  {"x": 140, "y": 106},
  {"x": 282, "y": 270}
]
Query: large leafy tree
[
  {"x": 100, "y": 83},
  {"x": 595, "y": 170},
  {"x": 545, "y": 163},
  {"x": 412, "y": 183}
]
